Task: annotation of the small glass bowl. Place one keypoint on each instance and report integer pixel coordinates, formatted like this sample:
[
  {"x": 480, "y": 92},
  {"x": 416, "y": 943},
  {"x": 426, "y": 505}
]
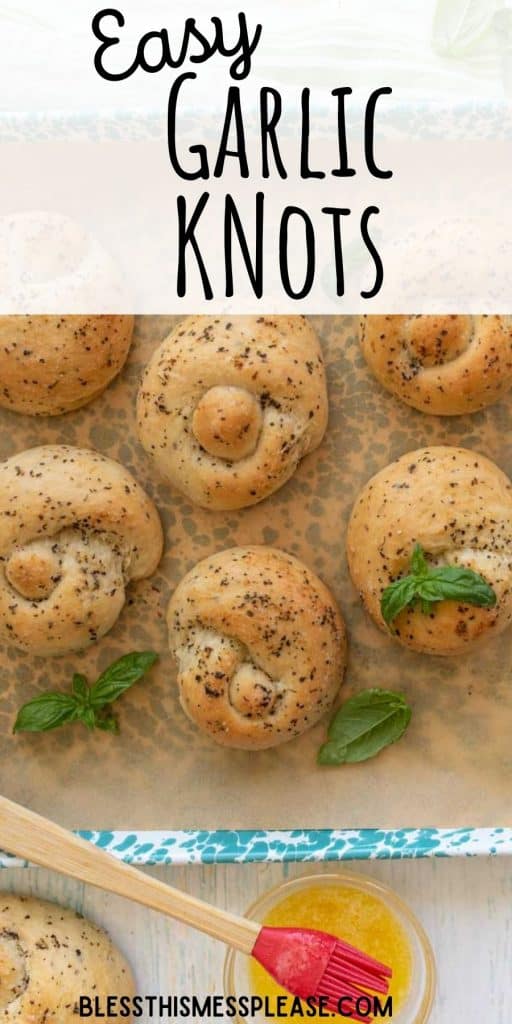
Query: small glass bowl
[{"x": 418, "y": 1005}]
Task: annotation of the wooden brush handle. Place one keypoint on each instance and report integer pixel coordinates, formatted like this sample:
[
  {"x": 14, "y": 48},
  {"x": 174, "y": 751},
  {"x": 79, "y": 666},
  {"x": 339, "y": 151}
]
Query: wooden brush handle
[{"x": 33, "y": 838}]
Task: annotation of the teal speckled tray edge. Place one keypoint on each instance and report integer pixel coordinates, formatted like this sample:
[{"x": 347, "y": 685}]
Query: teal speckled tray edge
[{"x": 299, "y": 845}]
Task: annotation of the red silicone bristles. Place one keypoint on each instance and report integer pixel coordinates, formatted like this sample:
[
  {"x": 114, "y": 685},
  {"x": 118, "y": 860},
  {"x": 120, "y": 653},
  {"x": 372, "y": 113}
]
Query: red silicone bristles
[
  {"x": 351, "y": 953},
  {"x": 309, "y": 963},
  {"x": 340, "y": 965},
  {"x": 352, "y": 974},
  {"x": 343, "y": 988}
]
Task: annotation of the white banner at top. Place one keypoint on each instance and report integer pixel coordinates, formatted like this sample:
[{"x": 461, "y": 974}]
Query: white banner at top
[{"x": 342, "y": 157}]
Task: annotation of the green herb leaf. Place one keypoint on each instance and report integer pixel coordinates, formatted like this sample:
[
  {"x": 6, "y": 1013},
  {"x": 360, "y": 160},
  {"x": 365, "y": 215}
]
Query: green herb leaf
[
  {"x": 80, "y": 686},
  {"x": 45, "y": 712},
  {"x": 452, "y": 583},
  {"x": 120, "y": 676},
  {"x": 427, "y": 585},
  {"x": 88, "y": 717},
  {"x": 85, "y": 704},
  {"x": 108, "y": 723},
  {"x": 419, "y": 564},
  {"x": 396, "y": 597},
  {"x": 363, "y": 726}
]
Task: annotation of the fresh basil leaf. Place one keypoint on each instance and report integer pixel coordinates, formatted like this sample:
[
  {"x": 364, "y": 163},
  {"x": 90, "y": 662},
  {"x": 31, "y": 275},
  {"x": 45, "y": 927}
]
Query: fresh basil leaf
[
  {"x": 88, "y": 717},
  {"x": 426, "y": 606},
  {"x": 358, "y": 711},
  {"x": 378, "y": 737},
  {"x": 396, "y": 597},
  {"x": 85, "y": 704},
  {"x": 80, "y": 686},
  {"x": 365, "y": 725},
  {"x": 119, "y": 676},
  {"x": 48, "y": 711},
  {"x": 419, "y": 564},
  {"x": 427, "y": 585},
  {"x": 331, "y": 753},
  {"x": 453, "y": 583}
]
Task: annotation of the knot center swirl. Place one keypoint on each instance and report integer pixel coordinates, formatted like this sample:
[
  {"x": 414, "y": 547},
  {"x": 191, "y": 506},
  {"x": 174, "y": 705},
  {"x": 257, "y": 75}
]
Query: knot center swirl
[
  {"x": 251, "y": 692},
  {"x": 434, "y": 341},
  {"x": 33, "y": 571},
  {"x": 227, "y": 422}
]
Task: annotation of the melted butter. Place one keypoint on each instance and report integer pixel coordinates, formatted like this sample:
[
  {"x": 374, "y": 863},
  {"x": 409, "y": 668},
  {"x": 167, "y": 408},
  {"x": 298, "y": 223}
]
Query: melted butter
[{"x": 358, "y": 917}]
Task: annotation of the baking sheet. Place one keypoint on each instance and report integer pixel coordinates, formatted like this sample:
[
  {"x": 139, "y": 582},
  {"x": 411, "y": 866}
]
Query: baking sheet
[{"x": 453, "y": 767}]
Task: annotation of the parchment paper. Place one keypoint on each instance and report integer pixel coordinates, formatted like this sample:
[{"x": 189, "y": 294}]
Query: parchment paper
[{"x": 452, "y": 769}]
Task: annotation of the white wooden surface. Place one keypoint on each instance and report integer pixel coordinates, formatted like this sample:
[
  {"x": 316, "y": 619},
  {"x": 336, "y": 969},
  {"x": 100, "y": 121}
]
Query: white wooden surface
[{"x": 465, "y": 906}]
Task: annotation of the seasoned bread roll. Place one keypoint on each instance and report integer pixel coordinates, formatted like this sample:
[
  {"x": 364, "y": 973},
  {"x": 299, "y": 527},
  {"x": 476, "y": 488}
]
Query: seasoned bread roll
[
  {"x": 260, "y": 645},
  {"x": 51, "y": 364},
  {"x": 445, "y": 365},
  {"x": 457, "y": 505},
  {"x": 75, "y": 529},
  {"x": 229, "y": 406},
  {"x": 49, "y": 957}
]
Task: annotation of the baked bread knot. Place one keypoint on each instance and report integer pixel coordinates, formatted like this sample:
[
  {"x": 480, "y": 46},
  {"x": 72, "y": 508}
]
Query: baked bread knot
[
  {"x": 260, "y": 645},
  {"x": 444, "y": 365},
  {"x": 53, "y": 364},
  {"x": 75, "y": 529},
  {"x": 229, "y": 406},
  {"x": 49, "y": 956},
  {"x": 457, "y": 505}
]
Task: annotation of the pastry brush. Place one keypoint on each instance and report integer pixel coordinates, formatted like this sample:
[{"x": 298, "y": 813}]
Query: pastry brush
[{"x": 305, "y": 962}]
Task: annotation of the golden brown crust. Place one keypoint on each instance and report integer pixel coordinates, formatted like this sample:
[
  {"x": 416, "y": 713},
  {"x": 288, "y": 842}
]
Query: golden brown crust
[
  {"x": 228, "y": 406},
  {"x": 75, "y": 528},
  {"x": 444, "y": 365},
  {"x": 52, "y": 364},
  {"x": 49, "y": 956},
  {"x": 260, "y": 645},
  {"x": 458, "y": 505}
]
